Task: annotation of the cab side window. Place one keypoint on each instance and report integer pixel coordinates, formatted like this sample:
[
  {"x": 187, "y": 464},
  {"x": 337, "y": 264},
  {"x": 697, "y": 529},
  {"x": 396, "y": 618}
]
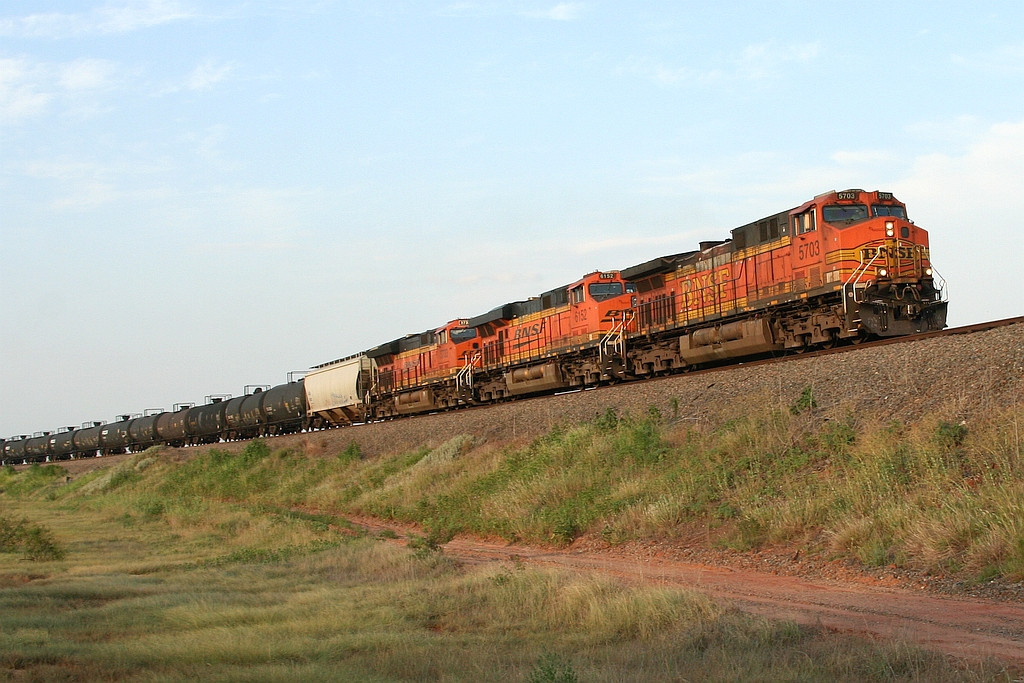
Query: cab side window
[{"x": 805, "y": 222}]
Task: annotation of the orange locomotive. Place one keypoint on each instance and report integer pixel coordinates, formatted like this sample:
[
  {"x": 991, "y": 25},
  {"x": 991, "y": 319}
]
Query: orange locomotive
[
  {"x": 844, "y": 266},
  {"x": 565, "y": 337}
]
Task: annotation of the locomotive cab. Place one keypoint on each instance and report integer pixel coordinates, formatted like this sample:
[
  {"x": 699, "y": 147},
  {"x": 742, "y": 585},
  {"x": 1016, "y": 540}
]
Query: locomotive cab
[
  {"x": 458, "y": 345},
  {"x": 879, "y": 259},
  {"x": 600, "y": 303}
]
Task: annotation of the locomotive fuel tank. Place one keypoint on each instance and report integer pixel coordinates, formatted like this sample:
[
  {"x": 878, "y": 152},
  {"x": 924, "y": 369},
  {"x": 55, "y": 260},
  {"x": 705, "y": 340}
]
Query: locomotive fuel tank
[
  {"x": 417, "y": 401},
  {"x": 731, "y": 340},
  {"x": 537, "y": 378}
]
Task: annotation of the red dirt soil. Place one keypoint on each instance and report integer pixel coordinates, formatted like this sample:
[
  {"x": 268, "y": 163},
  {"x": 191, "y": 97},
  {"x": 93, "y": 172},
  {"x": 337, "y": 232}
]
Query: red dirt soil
[{"x": 972, "y": 629}]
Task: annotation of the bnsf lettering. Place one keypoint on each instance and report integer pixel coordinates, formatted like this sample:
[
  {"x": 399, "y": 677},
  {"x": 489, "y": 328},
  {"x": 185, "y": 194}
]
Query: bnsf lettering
[
  {"x": 705, "y": 280},
  {"x": 531, "y": 330},
  {"x": 889, "y": 252},
  {"x": 613, "y": 315}
]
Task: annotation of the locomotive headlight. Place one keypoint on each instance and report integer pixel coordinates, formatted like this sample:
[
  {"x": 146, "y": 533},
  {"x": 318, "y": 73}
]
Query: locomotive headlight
[
  {"x": 890, "y": 228},
  {"x": 928, "y": 272},
  {"x": 882, "y": 272}
]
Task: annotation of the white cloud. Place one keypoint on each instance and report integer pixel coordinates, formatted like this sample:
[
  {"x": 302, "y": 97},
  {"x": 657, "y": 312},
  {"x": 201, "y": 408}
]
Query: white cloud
[
  {"x": 990, "y": 171},
  {"x": 203, "y": 77},
  {"x": 88, "y": 195},
  {"x": 109, "y": 19},
  {"x": 971, "y": 204},
  {"x": 659, "y": 73},
  {"x": 765, "y": 60},
  {"x": 863, "y": 156},
  {"x": 208, "y": 74},
  {"x": 564, "y": 11},
  {"x": 28, "y": 89},
  {"x": 86, "y": 74},
  {"x": 1006, "y": 59},
  {"x": 759, "y": 62},
  {"x": 22, "y": 96}
]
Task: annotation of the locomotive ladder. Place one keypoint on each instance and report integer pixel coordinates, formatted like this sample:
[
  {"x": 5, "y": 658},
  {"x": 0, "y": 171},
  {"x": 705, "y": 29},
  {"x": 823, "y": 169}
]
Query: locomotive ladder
[
  {"x": 464, "y": 377},
  {"x": 613, "y": 345},
  {"x": 850, "y": 286}
]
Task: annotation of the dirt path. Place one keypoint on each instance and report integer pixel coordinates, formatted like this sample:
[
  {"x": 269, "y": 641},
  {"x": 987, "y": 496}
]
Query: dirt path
[{"x": 969, "y": 628}]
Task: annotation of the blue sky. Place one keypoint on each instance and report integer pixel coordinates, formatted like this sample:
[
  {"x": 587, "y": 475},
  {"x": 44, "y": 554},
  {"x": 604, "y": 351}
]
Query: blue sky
[{"x": 196, "y": 196}]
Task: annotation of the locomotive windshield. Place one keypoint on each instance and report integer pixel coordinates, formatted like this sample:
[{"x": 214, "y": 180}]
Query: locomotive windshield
[
  {"x": 461, "y": 334},
  {"x": 886, "y": 210},
  {"x": 599, "y": 291},
  {"x": 848, "y": 213}
]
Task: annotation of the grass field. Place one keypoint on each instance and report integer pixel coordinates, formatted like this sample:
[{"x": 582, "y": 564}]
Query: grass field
[{"x": 239, "y": 567}]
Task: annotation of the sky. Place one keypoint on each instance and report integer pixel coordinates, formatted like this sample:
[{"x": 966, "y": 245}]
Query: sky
[{"x": 196, "y": 196}]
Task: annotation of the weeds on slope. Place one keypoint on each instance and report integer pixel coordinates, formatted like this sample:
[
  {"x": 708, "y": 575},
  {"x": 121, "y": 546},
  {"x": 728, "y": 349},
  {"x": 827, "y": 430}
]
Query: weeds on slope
[
  {"x": 938, "y": 495},
  {"x": 207, "y": 568}
]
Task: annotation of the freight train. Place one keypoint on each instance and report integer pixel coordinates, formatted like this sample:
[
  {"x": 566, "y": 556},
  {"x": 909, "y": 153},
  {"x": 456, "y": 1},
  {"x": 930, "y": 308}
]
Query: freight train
[{"x": 841, "y": 268}]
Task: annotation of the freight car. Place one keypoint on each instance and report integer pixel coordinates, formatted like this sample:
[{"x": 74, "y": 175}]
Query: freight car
[{"x": 840, "y": 268}]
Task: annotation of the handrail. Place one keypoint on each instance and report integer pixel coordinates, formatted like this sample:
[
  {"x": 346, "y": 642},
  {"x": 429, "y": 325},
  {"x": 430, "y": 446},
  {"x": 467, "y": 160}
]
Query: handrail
[
  {"x": 614, "y": 341},
  {"x": 464, "y": 377}
]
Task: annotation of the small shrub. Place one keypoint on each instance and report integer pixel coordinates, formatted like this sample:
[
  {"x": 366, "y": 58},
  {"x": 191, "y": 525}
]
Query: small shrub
[
  {"x": 726, "y": 511},
  {"x": 11, "y": 533},
  {"x": 552, "y": 668},
  {"x": 151, "y": 509},
  {"x": 607, "y": 422},
  {"x": 424, "y": 546},
  {"x": 804, "y": 403},
  {"x": 748, "y": 534},
  {"x": 950, "y": 435},
  {"x": 350, "y": 454},
  {"x": 875, "y": 552},
  {"x": 120, "y": 478},
  {"x": 36, "y": 543}
]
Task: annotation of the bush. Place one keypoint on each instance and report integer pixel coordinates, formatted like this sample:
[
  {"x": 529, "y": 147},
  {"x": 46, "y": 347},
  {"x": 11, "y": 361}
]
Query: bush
[
  {"x": 35, "y": 542},
  {"x": 551, "y": 668}
]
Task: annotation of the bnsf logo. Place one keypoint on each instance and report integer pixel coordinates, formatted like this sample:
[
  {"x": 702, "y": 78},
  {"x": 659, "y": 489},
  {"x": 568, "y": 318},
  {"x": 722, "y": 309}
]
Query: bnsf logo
[
  {"x": 530, "y": 330},
  {"x": 889, "y": 252}
]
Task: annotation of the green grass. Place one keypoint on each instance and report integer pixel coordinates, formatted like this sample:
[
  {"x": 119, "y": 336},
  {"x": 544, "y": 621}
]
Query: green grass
[
  {"x": 242, "y": 567},
  {"x": 351, "y": 608},
  {"x": 938, "y": 496}
]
